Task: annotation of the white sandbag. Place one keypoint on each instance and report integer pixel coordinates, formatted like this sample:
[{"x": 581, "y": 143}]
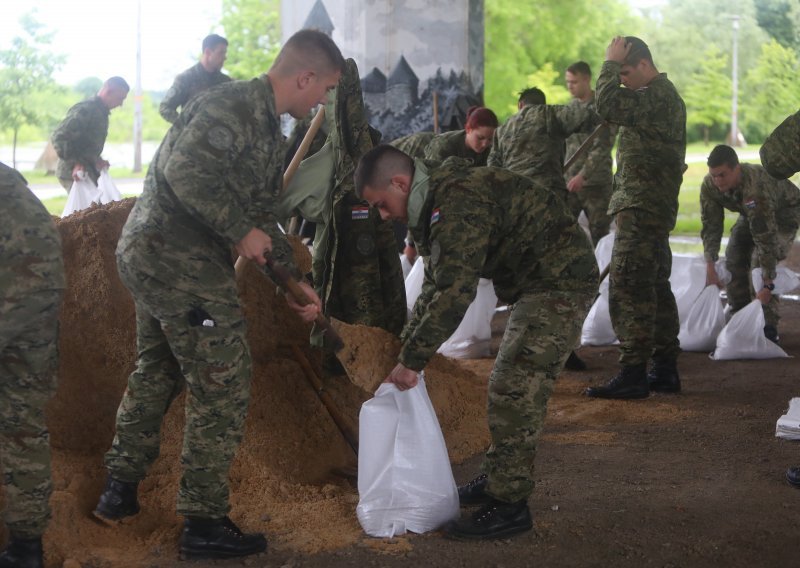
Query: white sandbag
[
  {"x": 700, "y": 328},
  {"x": 788, "y": 425},
  {"x": 687, "y": 280},
  {"x": 81, "y": 196},
  {"x": 597, "y": 328},
  {"x": 743, "y": 337},
  {"x": 107, "y": 189},
  {"x": 405, "y": 482},
  {"x": 414, "y": 282},
  {"x": 602, "y": 252},
  {"x": 722, "y": 271},
  {"x": 406, "y": 265},
  {"x": 785, "y": 280},
  {"x": 472, "y": 338}
]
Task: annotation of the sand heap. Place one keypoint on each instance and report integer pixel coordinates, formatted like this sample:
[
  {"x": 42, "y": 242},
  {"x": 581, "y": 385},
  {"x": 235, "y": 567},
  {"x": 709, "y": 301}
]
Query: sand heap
[{"x": 282, "y": 480}]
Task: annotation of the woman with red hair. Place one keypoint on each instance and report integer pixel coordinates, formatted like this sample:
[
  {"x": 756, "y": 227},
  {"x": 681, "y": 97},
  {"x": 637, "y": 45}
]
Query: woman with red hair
[{"x": 473, "y": 143}]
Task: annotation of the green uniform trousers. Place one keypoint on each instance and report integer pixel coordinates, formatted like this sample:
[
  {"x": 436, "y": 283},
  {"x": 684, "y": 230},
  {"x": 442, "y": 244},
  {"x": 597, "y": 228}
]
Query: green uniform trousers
[
  {"x": 28, "y": 368},
  {"x": 642, "y": 307},
  {"x": 184, "y": 339},
  {"x": 543, "y": 328}
]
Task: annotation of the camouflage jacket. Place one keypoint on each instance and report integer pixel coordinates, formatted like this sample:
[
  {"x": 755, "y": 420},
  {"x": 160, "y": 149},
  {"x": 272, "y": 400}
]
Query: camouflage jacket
[
  {"x": 780, "y": 153},
  {"x": 216, "y": 175},
  {"x": 357, "y": 270},
  {"x": 532, "y": 142},
  {"x": 185, "y": 87},
  {"x": 415, "y": 144},
  {"x": 80, "y": 138},
  {"x": 490, "y": 223},
  {"x": 30, "y": 246},
  {"x": 595, "y": 164},
  {"x": 454, "y": 144},
  {"x": 769, "y": 205},
  {"x": 652, "y": 143}
]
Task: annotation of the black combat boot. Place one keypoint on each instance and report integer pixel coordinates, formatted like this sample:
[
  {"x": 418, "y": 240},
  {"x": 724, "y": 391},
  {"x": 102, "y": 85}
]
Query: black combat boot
[
  {"x": 630, "y": 382},
  {"x": 575, "y": 363},
  {"x": 117, "y": 501},
  {"x": 793, "y": 476},
  {"x": 496, "y": 519},
  {"x": 663, "y": 376},
  {"x": 474, "y": 492},
  {"x": 22, "y": 553},
  {"x": 217, "y": 538}
]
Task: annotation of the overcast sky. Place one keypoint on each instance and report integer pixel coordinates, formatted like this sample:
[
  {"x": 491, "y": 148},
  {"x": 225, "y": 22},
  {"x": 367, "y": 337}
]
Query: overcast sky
[{"x": 98, "y": 37}]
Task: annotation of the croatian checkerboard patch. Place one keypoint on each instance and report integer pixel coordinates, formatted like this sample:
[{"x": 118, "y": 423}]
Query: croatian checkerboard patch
[{"x": 435, "y": 216}]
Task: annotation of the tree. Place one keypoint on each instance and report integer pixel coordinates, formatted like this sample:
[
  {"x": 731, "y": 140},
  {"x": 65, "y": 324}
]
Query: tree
[
  {"x": 523, "y": 37},
  {"x": 88, "y": 86},
  {"x": 781, "y": 20},
  {"x": 252, "y": 28},
  {"x": 25, "y": 75},
  {"x": 708, "y": 93},
  {"x": 770, "y": 91}
]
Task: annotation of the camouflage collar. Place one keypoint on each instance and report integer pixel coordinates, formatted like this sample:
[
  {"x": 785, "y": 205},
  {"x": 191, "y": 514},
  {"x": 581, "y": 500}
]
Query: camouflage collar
[{"x": 418, "y": 195}]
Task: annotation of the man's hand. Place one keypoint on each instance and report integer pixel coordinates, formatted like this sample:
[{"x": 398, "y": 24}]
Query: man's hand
[
  {"x": 309, "y": 312},
  {"x": 618, "y": 50},
  {"x": 101, "y": 164},
  {"x": 711, "y": 275},
  {"x": 402, "y": 377},
  {"x": 765, "y": 294},
  {"x": 255, "y": 246},
  {"x": 576, "y": 183},
  {"x": 78, "y": 173}
]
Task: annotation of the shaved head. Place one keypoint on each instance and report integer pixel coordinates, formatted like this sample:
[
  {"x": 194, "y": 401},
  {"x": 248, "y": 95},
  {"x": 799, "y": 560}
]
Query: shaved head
[
  {"x": 376, "y": 168},
  {"x": 308, "y": 50}
]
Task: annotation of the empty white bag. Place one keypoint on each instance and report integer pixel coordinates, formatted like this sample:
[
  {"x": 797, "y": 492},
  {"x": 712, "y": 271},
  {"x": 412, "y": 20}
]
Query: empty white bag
[
  {"x": 472, "y": 338},
  {"x": 743, "y": 337},
  {"x": 108, "y": 190},
  {"x": 706, "y": 318},
  {"x": 597, "y": 328},
  {"x": 81, "y": 196},
  {"x": 414, "y": 282},
  {"x": 785, "y": 280},
  {"x": 405, "y": 482}
]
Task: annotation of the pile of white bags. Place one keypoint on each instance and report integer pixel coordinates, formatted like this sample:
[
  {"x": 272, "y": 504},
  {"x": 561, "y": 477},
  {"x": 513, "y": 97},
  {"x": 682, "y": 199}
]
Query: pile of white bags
[
  {"x": 83, "y": 193},
  {"x": 597, "y": 328},
  {"x": 405, "y": 482},
  {"x": 472, "y": 338}
]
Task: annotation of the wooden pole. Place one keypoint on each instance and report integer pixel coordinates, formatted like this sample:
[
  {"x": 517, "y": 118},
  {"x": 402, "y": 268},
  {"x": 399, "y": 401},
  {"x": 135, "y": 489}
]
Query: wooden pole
[
  {"x": 435, "y": 112},
  {"x": 583, "y": 147}
]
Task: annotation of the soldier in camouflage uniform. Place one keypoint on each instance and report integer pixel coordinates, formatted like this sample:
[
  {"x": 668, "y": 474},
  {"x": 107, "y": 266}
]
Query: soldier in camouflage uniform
[
  {"x": 472, "y": 143},
  {"x": 213, "y": 185},
  {"x": 80, "y": 137},
  {"x": 781, "y": 158},
  {"x": 652, "y": 148},
  {"x": 769, "y": 213},
  {"x": 356, "y": 268},
  {"x": 31, "y": 288},
  {"x": 589, "y": 177},
  {"x": 490, "y": 223},
  {"x": 415, "y": 144},
  {"x": 532, "y": 142},
  {"x": 207, "y": 73},
  {"x": 780, "y": 154}
]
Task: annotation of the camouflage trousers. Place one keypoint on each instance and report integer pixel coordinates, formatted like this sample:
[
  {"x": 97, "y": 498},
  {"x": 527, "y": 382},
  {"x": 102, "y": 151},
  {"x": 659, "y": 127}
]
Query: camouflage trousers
[
  {"x": 642, "y": 307},
  {"x": 593, "y": 199},
  {"x": 543, "y": 328},
  {"x": 741, "y": 257},
  {"x": 28, "y": 369},
  {"x": 175, "y": 347}
]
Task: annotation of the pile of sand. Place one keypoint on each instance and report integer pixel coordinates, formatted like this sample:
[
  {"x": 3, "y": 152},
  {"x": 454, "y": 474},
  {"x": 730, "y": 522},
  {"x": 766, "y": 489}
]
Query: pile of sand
[{"x": 282, "y": 480}]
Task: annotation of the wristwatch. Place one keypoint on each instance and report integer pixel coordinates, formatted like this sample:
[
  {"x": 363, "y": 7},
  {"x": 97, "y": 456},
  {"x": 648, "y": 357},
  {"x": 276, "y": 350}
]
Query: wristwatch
[{"x": 770, "y": 286}]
